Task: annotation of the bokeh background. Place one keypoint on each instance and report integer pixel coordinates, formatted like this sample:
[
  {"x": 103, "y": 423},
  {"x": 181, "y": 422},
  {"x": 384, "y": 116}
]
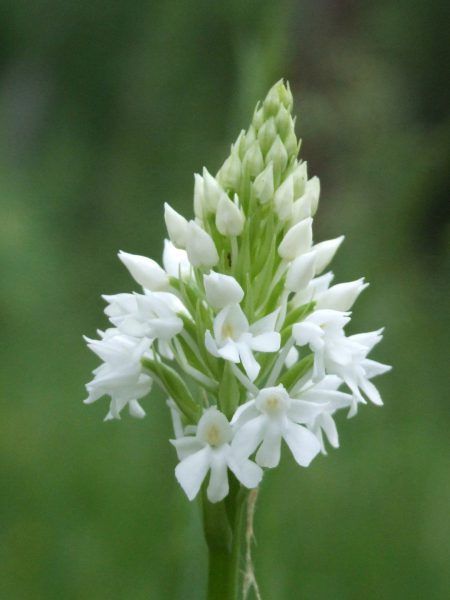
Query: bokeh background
[{"x": 106, "y": 110}]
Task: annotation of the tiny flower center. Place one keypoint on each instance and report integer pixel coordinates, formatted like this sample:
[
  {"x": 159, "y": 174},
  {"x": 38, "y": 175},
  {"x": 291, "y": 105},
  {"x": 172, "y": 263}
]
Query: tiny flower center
[
  {"x": 213, "y": 436},
  {"x": 228, "y": 331},
  {"x": 272, "y": 404}
]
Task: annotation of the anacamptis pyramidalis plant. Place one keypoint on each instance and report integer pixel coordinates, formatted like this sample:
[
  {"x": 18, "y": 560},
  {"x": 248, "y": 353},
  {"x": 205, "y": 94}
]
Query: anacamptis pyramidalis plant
[{"x": 244, "y": 331}]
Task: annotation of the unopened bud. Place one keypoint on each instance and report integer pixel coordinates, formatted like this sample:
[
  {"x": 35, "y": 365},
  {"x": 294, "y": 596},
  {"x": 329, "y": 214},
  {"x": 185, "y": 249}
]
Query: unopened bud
[
  {"x": 300, "y": 272},
  {"x": 297, "y": 240},
  {"x": 291, "y": 144},
  {"x": 229, "y": 175},
  {"x": 145, "y": 271},
  {"x": 222, "y": 290},
  {"x": 200, "y": 247},
  {"x": 229, "y": 218},
  {"x": 284, "y": 198},
  {"x": 300, "y": 176},
  {"x": 341, "y": 296},
  {"x": 267, "y": 135},
  {"x": 253, "y": 162},
  {"x": 284, "y": 122},
  {"x": 278, "y": 155},
  {"x": 325, "y": 252},
  {"x": 263, "y": 185},
  {"x": 199, "y": 196},
  {"x": 176, "y": 226}
]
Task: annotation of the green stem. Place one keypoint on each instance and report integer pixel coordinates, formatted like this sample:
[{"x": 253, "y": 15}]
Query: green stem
[{"x": 224, "y": 523}]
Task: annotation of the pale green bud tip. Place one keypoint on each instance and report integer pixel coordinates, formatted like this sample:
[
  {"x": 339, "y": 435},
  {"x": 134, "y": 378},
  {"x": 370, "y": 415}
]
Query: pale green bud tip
[{"x": 279, "y": 95}]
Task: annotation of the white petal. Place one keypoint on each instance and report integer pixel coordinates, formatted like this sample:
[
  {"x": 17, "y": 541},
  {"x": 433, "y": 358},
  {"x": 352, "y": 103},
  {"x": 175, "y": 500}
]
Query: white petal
[
  {"x": 246, "y": 471},
  {"x": 230, "y": 351},
  {"x": 175, "y": 261},
  {"x": 191, "y": 471},
  {"x": 136, "y": 410},
  {"x": 249, "y": 436},
  {"x": 302, "y": 443},
  {"x": 266, "y": 324},
  {"x": 301, "y": 411},
  {"x": 242, "y": 410},
  {"x": 229, "y": 219},
  {"x": 249, "y": 362},
  {"x": 210, "y": 344},
  {"x": 329, "y": 426},
  {"x": 268, "y": 454},
  {"x": 266, "y": 342},
  {"x": 373, "y": 368},
  {"x": 185, "y": 446},
  {"x": 218, "y": 479}
]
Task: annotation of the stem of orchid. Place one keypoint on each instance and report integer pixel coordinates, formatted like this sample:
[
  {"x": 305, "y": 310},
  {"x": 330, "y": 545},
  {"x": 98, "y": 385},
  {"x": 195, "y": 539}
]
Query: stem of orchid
[{"x": 224, "y": 525}]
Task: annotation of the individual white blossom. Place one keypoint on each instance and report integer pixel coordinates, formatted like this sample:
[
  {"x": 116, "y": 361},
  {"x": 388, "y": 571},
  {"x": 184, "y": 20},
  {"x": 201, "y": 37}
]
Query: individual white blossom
[
  {"x": 121, "y": 375},
  {"x": 235, "y": 340},
  {"x": 270, "y": 418},
  {"x": 210, "y": 451},
  {"x": 175, "y": 261},
  {"x": 145, "y": 271},
  {"x": 297, "y": 240}
]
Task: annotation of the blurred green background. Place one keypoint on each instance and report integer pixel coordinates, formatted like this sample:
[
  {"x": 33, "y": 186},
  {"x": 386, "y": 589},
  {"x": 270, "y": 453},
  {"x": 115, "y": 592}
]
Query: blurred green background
[{"x": 106, "y": 110}]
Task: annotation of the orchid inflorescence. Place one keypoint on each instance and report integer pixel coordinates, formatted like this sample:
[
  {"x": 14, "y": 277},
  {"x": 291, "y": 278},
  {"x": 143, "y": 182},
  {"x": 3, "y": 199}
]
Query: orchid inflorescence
[{"x": 242, "y": 327}]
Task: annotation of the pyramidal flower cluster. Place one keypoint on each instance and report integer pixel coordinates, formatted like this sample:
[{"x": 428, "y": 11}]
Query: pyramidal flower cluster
[{"x": 242, "y": 326}]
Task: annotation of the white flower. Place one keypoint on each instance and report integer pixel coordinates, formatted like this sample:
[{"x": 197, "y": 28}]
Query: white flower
[
  {"x": 153, "y": 315},
  {"x": 325, "y": 394},
  {"x": 222, "y": 290},
  {"x": 175, "y": 261},
  {"x": 200, "y": 247},
  {"x": 229, "y": 218},
  {"x": 235, "y": 340},
  {"x": 177, "y": 226},
  {"x": 121, "y": 375},
  {"x": 334, "y": 353},
  {"x": 210, "y": 450},
  {"x": 145, "y": 271},
  {"x": 297, "y": 240},
  {"x": 270, "y": 418},
  {"x": 313, "y": 290}
]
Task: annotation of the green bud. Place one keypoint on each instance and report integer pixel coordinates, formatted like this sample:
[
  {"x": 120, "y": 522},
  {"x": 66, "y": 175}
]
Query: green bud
[
  {"x": 285, "y": 95},
  {"x": 300, "y": 176},
  {"x": 253, "y": 162},
  {"x": 291, "y": 144},
  {"x": 263, "y": 185},
  {"x": 284, "y": 123},
  {"x": 278, "y": 155},
  {"x": 267, "y": 135},
  {"x": 249, "y": 139},
  {"x": 271, "y": 104},
  {"x": 229, "y": 175},
  {"x": 258, "y": 117}
]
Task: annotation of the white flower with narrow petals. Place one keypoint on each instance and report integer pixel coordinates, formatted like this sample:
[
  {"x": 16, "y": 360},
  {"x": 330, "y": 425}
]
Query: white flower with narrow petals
[
  {"x": 235, "y": 340},
  {"x": 335, "y": 353},
  {"x": 152, "y": 315},
  {"x": 272, "y": 416},
  {"x": 121, "y": 375},
  {"x": 325, "y": 394},
  {"x": 210, "y": 451}
]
